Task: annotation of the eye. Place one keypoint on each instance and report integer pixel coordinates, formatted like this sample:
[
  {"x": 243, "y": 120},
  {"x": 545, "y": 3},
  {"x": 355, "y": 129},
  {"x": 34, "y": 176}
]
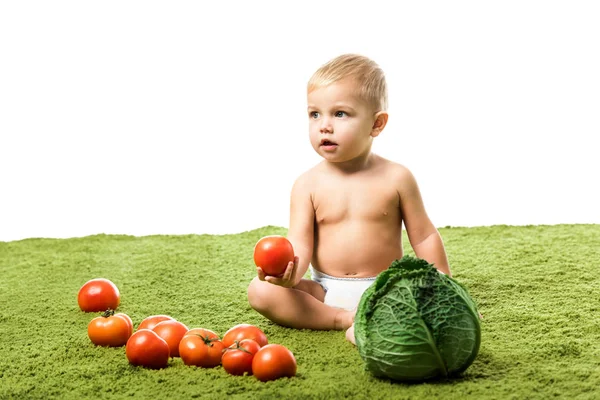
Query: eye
[
  {"x": 340, "y": 114},
  {"x": 313, "y": 114}
]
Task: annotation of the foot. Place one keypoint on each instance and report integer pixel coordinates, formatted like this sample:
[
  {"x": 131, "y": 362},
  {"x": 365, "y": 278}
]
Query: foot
[
  {"x": 350, "y": 335},
  {"x": 344, "y": 319}
]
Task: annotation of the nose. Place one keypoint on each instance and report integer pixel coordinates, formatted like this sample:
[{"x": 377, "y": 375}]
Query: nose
[{"x": 326, "y": 125}]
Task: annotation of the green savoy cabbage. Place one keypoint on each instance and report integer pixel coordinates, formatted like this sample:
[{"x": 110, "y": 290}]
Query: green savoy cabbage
[{"x": 414, "y": 323}]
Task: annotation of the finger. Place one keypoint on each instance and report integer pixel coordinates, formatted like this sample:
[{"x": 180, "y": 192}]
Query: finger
[
  {"x": 274, "y": 280},
  {"x": 295, "y": 269},
  {"x": 260, "y": 273},
  {"x": 289, "y": 271}
]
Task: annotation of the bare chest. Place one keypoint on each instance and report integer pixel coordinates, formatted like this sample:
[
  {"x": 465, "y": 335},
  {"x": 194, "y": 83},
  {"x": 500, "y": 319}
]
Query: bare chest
[{"x": 376, "y": 201}]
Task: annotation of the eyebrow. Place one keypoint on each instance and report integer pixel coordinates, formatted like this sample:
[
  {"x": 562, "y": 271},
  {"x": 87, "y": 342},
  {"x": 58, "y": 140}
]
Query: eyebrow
[
  {"x": 343, "y": 105},
  {"x": 335, "y": 106}
]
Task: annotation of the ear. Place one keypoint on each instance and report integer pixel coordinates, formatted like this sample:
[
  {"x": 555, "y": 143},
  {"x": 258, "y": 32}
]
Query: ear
[{"x": 381, "y": 119}]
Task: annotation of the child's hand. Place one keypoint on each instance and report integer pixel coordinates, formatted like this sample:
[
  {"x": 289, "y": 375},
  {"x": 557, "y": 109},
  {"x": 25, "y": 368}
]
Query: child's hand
[{"x": 286, "y": 280}]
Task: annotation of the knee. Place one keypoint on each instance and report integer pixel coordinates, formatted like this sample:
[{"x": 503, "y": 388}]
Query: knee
[{"x": 258, "y": 294}]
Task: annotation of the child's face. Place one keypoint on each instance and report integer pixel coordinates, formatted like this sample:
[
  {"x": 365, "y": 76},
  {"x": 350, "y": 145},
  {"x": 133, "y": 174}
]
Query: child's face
[{"x": 340, "y": 123}]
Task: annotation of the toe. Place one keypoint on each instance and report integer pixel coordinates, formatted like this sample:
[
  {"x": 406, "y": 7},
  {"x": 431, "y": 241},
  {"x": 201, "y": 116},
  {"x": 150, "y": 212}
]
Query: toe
[{"x": 350, "y": 335}]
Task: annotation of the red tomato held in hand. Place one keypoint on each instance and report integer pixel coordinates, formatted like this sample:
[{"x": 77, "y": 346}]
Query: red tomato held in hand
[
  {"x": 201, "y": 351},
  {"x": 273, "y": 361},
  {"x": 110, "y": 329},
  {"x": 151, "y": 321},
  {"x": 273, "y": 254},
  {"x": 244, "y": 331},
  {"x": 98, "y": 295},
  {"x": 237, "y": 359},
  {"x": 147, "y": 349},
  {"x": 172, "y": 332}
]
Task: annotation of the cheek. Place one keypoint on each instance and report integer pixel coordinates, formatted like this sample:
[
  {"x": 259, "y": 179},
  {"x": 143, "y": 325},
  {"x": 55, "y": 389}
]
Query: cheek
[
  {"x": 346, "y": 130},
  {"x": 314, "y": 136}
]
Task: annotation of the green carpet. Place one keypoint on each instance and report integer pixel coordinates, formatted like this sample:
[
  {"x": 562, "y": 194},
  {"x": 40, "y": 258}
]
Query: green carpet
[{"x": 537, "y": 287}]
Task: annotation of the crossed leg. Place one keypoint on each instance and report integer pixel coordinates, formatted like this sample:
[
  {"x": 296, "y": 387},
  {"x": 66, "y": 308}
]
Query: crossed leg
[{"x": 300, "y": 307}]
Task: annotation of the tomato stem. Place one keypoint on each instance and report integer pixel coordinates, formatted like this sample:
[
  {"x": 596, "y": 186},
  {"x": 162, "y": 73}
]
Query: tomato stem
[
  {"x": 108, "y": 313},
  {"x": 208, "y": 341},
  {"x": 237, "y": 347}
]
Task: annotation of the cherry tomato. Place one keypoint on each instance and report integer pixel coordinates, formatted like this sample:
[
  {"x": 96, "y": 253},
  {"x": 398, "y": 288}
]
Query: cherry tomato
[
  {"x": 201, "y": 350},
  {"x": 98, "y": 295},
  {"x": 244, "y": 331},
  {"x": 171, "y": 331},
  {"x": 237, "y": 358},
  {"x": 151, "y": 321},
  {"x": 273, "y": 361},
  {"x": 147, "y": 349},
  {"x": 110, "y": 329},
  {"x": 273, "y": 254}
]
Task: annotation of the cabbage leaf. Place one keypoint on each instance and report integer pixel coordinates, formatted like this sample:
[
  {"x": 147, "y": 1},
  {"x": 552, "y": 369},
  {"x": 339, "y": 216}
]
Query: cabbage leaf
[{"x": 415, "y": 323}]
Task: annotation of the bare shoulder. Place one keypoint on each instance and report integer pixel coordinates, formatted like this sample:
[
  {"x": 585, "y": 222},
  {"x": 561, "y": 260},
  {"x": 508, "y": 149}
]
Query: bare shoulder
[
  {"x": 396, "y": 172},
  {"x": 305, "y": 183}
]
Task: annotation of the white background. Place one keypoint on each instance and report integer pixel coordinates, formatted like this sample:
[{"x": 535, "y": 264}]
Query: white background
[{"x": 184, "y": 117}]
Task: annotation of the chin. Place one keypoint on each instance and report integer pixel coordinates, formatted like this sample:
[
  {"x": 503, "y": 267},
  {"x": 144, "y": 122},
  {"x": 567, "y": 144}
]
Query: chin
[{"x": 333, "y": 158}]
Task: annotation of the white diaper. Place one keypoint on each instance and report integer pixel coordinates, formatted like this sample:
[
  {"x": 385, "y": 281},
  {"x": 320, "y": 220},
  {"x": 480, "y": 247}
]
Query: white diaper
[{"x": 341, "y": 292}]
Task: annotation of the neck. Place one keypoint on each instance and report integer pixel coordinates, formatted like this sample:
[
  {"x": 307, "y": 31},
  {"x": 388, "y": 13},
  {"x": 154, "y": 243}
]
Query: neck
[{"x": 360, "y": 163}]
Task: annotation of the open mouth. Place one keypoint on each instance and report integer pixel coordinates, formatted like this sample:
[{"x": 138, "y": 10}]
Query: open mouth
[{"x": 327, "y": 143}]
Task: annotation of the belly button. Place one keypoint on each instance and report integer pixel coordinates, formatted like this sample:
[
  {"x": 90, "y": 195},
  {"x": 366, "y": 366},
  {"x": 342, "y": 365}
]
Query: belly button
[{"x": 385, "y": 213}]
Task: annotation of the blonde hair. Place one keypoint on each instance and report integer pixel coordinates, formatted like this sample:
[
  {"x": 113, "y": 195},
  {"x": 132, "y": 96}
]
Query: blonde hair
[{"x": 372, "y": 86}]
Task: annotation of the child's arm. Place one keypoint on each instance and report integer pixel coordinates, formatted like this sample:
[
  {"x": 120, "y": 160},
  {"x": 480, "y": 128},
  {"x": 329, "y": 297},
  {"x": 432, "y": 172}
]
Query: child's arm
[
  {"x": 300, "y": 234},
  {"x": 424, "y": 237}
]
